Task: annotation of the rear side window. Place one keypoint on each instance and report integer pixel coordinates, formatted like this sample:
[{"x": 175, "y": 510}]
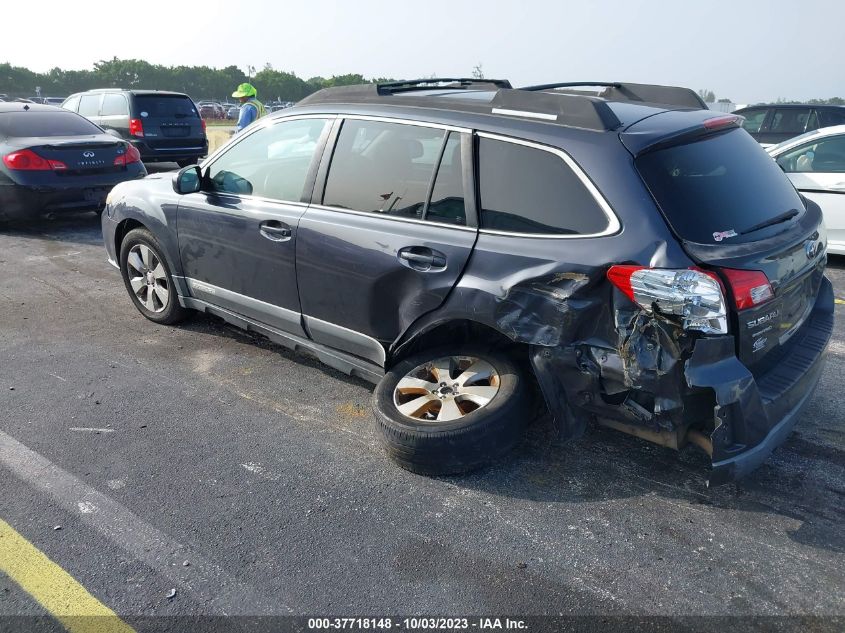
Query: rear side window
[
  {"x": 384, "y": 168},
  {"x": 716, "y": 188},
  {"x": 530, "y": 190},
  {"x": 114, "y": 105},
  {"x": 58, "y": 123},
  {"x": 754, "y": 120},
  {"x": 829, "y": 118},
  {"x": 165, "y": 106},
  {"x": 89, "y": 105}
]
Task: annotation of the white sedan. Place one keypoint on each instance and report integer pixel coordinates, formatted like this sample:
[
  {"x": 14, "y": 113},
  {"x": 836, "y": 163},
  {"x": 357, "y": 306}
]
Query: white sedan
[{"x": 815, "y": 163}]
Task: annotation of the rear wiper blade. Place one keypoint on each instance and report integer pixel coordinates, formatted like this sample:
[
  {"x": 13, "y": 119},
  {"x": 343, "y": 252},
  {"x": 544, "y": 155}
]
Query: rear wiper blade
[{"x": 783, "y": 217}]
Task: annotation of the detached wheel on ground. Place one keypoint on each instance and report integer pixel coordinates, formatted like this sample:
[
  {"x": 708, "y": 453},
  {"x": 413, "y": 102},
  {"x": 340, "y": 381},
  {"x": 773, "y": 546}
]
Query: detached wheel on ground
[
  {"x": 446, "y": 411},
  {"x": 147, "y": 278}
]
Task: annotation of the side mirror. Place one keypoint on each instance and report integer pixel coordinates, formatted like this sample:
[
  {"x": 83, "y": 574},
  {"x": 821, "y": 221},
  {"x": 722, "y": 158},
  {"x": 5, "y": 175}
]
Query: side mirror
[{"x": 187, "y": 180}]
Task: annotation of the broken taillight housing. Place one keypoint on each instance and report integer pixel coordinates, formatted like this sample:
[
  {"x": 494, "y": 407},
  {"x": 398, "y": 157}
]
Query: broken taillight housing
[{"x": 694, "y": 295}]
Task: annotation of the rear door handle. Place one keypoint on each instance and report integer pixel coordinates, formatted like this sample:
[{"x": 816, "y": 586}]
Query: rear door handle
[
  {"x": 275, "y": 231},
  {"x": 422, "y": 258}
]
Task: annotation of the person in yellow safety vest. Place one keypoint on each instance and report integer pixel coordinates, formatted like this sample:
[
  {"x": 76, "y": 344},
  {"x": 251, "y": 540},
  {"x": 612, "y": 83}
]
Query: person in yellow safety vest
[{"x": 251, "y": 107}]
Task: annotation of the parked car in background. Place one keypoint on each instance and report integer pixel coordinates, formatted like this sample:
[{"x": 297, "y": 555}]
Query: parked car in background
[
  {"x": 233, "y": 112},
  {"x": 54, "y": 161},
  {"x": 56, "y": 101},
  {"x": 815, "y": 163},
  {"x": 211, "y": 110},
  {"x": 648, "y": 267},
  {"x": 772, "y": 124},
  {"x": 163, "y": 126}
]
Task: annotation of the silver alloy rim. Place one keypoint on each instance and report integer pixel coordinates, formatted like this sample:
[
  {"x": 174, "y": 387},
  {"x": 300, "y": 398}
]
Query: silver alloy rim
[
  {"x": 446, "y": 389},
  {"x": 147, "y": 278}
]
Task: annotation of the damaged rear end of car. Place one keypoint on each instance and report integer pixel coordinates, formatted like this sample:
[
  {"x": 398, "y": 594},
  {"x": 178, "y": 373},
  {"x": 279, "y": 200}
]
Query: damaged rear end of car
[{"x": 718, "y": 343}]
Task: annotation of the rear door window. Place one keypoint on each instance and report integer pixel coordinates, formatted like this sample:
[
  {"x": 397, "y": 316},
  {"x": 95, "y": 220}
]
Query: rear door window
[
  {"x": 89, "y": 105},
  {"x": 447, "y": 197},
  {"x": 716, "y": 188},
  {"x": 526, "y": 189},
  {"x": 789, "y": 121},
  {"x": 386, "y": 168}
]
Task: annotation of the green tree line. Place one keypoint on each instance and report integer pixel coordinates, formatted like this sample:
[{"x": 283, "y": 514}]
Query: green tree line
[{"x": 200, "y": 82}]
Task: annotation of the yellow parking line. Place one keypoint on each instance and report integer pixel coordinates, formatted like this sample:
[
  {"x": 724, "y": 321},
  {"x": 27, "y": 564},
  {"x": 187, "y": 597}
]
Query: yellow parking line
[
  {"x": 839, "y": 301},
  {"x": 55, "y": 589}
]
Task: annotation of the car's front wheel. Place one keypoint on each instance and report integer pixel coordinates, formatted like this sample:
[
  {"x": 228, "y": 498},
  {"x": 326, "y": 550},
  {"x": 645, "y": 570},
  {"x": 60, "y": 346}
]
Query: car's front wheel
[
  {"x": 445, "y": 412},
  {"x": 147, "y": 278}
]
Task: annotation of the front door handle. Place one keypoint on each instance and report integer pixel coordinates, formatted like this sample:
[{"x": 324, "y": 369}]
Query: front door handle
[
  {"x": 422, "y": 258},
  {"x": 275, "y": 231}
]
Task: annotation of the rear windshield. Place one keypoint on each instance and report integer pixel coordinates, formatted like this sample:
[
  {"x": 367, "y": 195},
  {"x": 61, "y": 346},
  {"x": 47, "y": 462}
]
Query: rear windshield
[
  {"x": 160, "y": 106},
  {"x": 717, "y": 188},
  {"x": 58, "y": 123}
]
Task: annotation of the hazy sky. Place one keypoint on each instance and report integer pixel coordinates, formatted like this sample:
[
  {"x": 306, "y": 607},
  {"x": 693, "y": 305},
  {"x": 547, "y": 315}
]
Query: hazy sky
[{"x": 747, "y": 51}]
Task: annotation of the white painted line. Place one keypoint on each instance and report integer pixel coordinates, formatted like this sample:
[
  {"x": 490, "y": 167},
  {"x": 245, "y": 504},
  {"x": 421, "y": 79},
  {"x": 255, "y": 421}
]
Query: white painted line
[
  {"x": 88, "y": 429},
  {"x": 218, "y": 592}
]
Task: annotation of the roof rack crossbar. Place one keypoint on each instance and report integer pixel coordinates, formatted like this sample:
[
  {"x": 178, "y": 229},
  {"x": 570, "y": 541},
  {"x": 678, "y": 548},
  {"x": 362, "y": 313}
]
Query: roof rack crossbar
[{"x": 428, "y": 84}]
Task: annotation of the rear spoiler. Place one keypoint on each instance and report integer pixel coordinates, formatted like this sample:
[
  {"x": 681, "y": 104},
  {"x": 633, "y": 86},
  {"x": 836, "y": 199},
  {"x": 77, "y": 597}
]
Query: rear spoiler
[{"x": 675, "y": 128}]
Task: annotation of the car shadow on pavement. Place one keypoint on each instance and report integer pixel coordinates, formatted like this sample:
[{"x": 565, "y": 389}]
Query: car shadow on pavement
[
  {"x": 803, "y": 480},
  {"x": 75, "y": 228}
]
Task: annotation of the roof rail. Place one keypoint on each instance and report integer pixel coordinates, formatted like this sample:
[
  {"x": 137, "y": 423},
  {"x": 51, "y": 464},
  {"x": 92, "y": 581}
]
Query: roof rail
[
  {"x": 429, "y": 84},
  {"x": 621, "y": 91}
]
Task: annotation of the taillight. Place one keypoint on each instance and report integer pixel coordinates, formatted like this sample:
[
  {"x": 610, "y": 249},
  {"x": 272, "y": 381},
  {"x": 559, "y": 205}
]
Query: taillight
[
  {"x": 203, "y": 124},
  {"x": 136, "y": 127},
  {"x": 27, "y": 160},
  {"x": 131, "y": 155},
  {"x": 750, "y": 287},
  {"x": 695, "y": 295}
]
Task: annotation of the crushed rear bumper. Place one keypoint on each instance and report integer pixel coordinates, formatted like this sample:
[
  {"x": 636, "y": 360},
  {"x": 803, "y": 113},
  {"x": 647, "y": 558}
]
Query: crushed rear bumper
[{"x": 755, "y": 414}]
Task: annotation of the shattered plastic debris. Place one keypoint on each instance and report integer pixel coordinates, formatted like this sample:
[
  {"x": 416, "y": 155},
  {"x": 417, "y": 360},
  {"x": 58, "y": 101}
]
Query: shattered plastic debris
[{"x": 171, "y": 594}]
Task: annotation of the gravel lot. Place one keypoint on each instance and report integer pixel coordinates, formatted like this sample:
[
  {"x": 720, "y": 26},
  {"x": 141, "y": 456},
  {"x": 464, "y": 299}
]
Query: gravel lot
[{"x": 262, "y": 469}]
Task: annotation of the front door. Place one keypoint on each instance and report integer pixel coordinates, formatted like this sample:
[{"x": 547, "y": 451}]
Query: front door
[
  {"x": 237, "y": 237},
  {"x": 391, "y": 237}
]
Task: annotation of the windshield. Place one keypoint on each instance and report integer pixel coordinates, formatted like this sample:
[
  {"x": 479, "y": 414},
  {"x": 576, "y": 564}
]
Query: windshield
[
  {"x": 42, "y": 123},
  {"x": 719, "y": 188}
]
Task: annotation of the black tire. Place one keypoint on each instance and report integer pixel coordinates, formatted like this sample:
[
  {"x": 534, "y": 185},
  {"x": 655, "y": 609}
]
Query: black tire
[
  {"x": 172, "y": 312},
  {"x": 458, "y": 446}
]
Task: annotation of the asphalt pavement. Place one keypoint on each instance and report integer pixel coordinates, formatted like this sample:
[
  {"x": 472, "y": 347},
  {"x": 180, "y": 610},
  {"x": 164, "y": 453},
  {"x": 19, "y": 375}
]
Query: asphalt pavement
[{"x": 250, "y": 480}]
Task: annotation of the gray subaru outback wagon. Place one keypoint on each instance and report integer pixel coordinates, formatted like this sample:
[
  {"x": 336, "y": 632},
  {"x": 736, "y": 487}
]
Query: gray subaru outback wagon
[{"x": 621, "y": 256}]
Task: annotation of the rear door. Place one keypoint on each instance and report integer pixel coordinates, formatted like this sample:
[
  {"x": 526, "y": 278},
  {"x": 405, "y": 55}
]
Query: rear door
[
  {"x": 817, "y": 169},
  {"x": 237, "y": 237},
  {"x": 784, "y": 124},
  {"x": 391, "y": 235},
  {"x": 171, "y": 122}
]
